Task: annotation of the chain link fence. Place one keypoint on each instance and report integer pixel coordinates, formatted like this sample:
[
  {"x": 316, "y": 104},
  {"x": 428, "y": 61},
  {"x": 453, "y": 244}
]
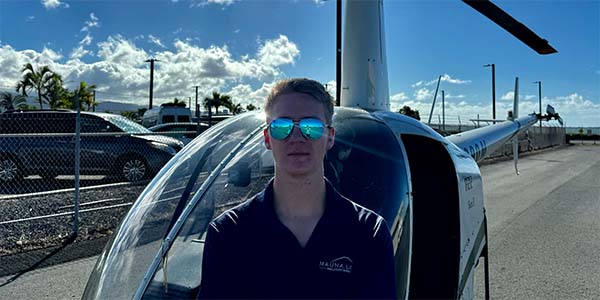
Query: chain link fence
[{"x": 46, "y": 155}]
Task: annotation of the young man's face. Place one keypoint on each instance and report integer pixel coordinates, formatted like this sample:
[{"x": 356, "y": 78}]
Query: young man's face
[{"x": 297, "y": 155}]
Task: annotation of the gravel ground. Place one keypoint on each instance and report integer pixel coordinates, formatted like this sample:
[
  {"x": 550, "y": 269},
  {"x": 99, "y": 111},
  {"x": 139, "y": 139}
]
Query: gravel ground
[{"x": 43, "y": 233}]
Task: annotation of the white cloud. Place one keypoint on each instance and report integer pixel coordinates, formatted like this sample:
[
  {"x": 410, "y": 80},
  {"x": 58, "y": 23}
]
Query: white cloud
[
  {"x": 12, "y": 61},
  {"x": 331, "y": 87},
  {"x": 244, "y": 94},
  {"x": 119, "y": 51},
  {"x": 79, "y": 52},
  {"x": 449, "y": 79},
  {"x": 450, "y": 96},
  {"x": 417, "y": 84},
  {"x": 49, "y": 4},
  {"x": 201, "y": 3},
  {"x": 278, "y": 52},
  {"x": 510, "y": 96},
  {"x": 444, "y": 78},
  {"x": 87, "y": 40},
  {"x": 574, "y": 108},
  {"x": 30, "y": 19},
  {"x": 398, "y": 98},
  {"x": 121, "y": 73},
  {"x": 155, "y": 41},
  {"x": 93, "y": 22},
  {"x": 423, "y": 94}
]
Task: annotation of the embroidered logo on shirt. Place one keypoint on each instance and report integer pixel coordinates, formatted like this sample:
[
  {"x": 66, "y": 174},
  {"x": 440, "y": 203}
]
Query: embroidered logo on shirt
[{"x": 340, "y": 264}]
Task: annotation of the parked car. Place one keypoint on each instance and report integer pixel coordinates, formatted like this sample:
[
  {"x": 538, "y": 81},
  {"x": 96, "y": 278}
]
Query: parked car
[
  {"x": 42, "y": 143},
  {"x": 185, "y": 132}
]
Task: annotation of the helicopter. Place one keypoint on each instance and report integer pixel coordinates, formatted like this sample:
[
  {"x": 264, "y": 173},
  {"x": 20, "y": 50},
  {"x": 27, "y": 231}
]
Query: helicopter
[{"x": 426, "y": 186}]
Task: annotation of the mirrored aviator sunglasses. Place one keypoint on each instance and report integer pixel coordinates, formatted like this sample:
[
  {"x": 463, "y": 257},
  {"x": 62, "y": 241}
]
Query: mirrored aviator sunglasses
[{"x": 311, "y": 128}]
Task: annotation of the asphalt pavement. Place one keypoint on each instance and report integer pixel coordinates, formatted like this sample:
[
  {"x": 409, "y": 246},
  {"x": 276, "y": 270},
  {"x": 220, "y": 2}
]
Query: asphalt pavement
[{"x": 544, "y": 226}]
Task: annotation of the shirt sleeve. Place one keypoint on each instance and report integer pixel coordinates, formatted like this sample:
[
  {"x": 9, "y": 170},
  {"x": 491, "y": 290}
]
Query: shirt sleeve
[
  {"x": 215, "y": 267},
  {"x": 381, "y": 278}
]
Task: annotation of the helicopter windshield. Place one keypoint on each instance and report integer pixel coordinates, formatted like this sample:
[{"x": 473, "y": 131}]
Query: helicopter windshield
[{"x": 220, "y": 169}]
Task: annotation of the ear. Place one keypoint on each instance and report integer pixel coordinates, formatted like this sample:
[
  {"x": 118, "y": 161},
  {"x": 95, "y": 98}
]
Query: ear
[
  {"x": 330, "y": 138},
  {"x": 267, "y": 139}
]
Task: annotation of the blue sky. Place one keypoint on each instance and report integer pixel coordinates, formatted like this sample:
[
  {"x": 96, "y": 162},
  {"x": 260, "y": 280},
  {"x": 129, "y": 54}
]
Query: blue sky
[{"x": 242, "y": 47}]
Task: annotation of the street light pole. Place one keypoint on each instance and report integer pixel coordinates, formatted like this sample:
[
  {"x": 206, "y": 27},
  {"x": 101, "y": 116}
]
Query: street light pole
[
  {"x": 151, "y": 61},
  {"x": 197, "y": 107},
  {"x": 540, "y": 98},
  {"x": 443, "y": 113},
  {"x": 493, "y": 90}
]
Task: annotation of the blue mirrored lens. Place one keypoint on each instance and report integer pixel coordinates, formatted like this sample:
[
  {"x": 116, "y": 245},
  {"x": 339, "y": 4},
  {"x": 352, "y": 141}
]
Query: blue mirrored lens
[
  {"x": 281, "y": 128},
  {"x": 311, "y": 128}
]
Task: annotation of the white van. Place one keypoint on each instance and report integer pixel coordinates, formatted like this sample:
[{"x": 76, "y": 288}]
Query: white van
[{"x": 166, "y": 114}]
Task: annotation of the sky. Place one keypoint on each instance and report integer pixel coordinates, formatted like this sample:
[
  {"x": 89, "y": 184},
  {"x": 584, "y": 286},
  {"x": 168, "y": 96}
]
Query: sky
[{"x": 241, "y": 47}]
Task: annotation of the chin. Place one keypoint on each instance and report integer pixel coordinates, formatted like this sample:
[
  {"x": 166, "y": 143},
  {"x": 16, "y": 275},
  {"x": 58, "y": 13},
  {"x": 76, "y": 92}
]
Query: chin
[{"x": 299, "y": 171}]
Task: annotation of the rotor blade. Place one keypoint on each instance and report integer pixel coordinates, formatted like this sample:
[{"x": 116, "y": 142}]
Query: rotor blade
[{"x": 514, "y": 27}]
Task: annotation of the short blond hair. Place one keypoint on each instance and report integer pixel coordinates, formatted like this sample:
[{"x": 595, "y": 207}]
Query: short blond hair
[{"x": 304, "y": 86}]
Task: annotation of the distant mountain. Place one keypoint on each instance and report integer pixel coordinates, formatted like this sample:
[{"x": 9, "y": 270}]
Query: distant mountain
[{"x": 117, "y": 107}]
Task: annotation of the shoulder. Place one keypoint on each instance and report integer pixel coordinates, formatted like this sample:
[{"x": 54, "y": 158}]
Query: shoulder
[
  {"x": 365, "y": 219},
  {"x": 233, "y": 218}
]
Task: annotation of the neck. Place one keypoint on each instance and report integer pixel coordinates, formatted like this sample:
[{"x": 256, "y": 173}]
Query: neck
[{"x": 299, "y": 198}]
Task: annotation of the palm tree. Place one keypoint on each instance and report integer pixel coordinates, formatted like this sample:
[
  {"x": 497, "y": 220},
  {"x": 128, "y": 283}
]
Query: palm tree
[
  {"x": 10, "y": 102},
  {"x": 176, "y": 103},
  {"x": 35, "y": 80},
  {"x": 234, "y": 108},
  {"x": 141, "y": 111},
  {"x": 216, "y": 101},
  {"x": 85, "y": 94},
  {"x": 132, "y": 115},
  {"x": 56, "y": 95}
]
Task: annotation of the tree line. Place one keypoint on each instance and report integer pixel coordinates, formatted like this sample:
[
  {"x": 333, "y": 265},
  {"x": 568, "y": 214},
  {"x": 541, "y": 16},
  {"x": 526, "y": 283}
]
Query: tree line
[{"x": 48, "y": 86}]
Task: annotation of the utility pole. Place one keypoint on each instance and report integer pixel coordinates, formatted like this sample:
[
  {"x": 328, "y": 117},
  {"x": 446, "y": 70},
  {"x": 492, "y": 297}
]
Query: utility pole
[
  {"x": 151, "y": 61},
  {"x": 434, "y": 96},
  {"x": 540, "y": 98},
  {"x": 94, "y": 101},
  {"x": 443, "y": 113},
  {"x": 493, "y": 90},
  {"x": 197, "y": 107}
]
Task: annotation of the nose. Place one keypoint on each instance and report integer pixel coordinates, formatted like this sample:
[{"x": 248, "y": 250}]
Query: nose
[{"x": 296, "y": 134}]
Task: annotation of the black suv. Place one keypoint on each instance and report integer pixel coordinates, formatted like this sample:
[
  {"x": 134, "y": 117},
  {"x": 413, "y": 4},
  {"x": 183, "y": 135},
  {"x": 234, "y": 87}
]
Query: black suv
[{"x": 42, "y": 142}]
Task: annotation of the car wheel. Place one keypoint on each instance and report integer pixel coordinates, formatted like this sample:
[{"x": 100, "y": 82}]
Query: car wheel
[
  {"x": 134, "y": 168},
  {"x": 9, "y": 169}
]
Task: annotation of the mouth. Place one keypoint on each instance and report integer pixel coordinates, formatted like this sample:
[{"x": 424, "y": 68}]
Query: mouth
[{"x": 298, "y": 154}]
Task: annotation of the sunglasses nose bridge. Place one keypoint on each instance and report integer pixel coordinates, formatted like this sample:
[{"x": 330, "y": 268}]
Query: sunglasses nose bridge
[{"x": 296, "y": 132}]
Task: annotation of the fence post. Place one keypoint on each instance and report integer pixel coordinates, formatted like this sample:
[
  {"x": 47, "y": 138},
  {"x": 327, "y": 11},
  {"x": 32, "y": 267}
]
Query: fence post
[{"x": 77, "y": 161}]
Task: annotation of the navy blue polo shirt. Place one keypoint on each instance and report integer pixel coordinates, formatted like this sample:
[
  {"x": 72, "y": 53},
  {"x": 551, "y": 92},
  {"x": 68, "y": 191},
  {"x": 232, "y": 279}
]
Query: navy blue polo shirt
[{"x": 249, "y": 253}]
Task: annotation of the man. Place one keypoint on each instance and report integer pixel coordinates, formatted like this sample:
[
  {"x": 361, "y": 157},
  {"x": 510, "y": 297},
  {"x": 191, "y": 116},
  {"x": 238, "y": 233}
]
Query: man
[{"x": 298, "y": 238}]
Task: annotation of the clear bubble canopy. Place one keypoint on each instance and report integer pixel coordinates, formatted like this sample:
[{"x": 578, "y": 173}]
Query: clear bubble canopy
[{"x": 157, "y": 250}]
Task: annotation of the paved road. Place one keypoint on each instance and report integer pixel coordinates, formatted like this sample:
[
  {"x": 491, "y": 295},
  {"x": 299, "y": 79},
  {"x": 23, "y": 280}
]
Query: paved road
[
  {"x": 544, "y": 233},
  {"x": 544, "y": 226}
]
